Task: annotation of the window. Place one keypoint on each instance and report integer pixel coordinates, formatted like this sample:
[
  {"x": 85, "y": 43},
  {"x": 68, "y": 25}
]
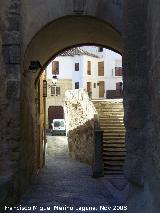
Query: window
[
  {"x": 94, "y": 85},
  {"x": 55, "y": 91},
  {"x": 76, "y": 66},
  {"x": 58, "y": 92},
  {"x": 76, "y": 85},
  {"x": 118, "y": 71},
  {"x": 89, "y": 67},
  {"x": 101, "y": 68},
  {"x": 100, "y": 49},
  {"x": 55, "y": 67}
]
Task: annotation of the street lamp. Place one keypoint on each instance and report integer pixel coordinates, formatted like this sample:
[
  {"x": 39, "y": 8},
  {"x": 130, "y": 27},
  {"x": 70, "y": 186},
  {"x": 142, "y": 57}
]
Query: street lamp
[{"x": 54, "y": 80}]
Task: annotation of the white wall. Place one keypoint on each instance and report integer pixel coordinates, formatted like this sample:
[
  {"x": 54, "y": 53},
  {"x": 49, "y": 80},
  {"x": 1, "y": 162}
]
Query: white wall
[
  {"x": 77, "y": 76},
  {"x": 111, "y": 60},
  {"x": 65, "y": 67}
]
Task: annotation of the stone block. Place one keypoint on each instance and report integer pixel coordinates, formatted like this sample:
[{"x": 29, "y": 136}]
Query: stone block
[
  {"x": 79, "y": 6},
  {"x": 11, "y": 37},
  {"x": 11, "y": 54},
  {"x": 13, "y": 89},
  {"x": 13, "y": 71},
  {"x": 14, "y": 22}
]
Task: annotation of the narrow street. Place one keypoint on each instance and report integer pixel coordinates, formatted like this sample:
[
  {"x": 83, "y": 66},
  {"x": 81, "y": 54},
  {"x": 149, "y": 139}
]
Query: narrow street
[{"x": 66, "y": 182}]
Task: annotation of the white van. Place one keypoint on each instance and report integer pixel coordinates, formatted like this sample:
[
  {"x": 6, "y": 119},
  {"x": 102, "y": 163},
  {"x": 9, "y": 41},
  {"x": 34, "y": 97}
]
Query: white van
[{"x": 58, "y": 127}]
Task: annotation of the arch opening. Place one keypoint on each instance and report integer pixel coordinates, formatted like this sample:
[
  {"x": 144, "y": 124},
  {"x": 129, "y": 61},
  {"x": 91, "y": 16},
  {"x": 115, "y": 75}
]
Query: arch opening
[{"x": 53, "y": 39}]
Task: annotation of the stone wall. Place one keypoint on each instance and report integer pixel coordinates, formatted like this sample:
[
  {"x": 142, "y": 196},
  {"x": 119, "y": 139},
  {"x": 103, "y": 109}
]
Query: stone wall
[
  {"x": 141, "y": 104},
  {"x": 9, "y": 100},
  {"x": 80, "y": 116}
]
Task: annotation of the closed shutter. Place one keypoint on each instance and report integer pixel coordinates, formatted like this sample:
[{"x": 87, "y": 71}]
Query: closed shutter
[
  {"x": 101, "y": 68},
  {"x": 89, "y": 87},
  {"x": 53, "y": 90},
  {"x": 89, "y": 67},
  {"x": 58, "y": 90},
  {"x": 118, "y": 71},
  {"x": 55, "y": 67}
]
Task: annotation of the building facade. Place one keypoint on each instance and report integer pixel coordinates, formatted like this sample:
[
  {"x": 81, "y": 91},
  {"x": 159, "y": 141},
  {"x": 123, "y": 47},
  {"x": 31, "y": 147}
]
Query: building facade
[{"x": 95, "y": 69}]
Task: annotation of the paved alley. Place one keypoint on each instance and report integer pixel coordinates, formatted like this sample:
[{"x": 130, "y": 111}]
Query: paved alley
[{"x": 64, "y": 182}]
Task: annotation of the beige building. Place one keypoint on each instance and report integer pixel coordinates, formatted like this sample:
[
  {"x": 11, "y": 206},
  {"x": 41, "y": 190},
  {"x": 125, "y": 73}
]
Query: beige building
[{"x": 55, "y": 99}]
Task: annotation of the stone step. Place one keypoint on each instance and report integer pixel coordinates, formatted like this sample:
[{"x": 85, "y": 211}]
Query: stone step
[
  {"x": 113, "y": 168},
  {"x": 108, "y": 105},
  {"x": 112, "y": 126},
  {"x": 113, "y": 145},
  {"x": 114, "y": 163},
  {"x": 115, "y": 149},
  {"x": 111, "y": 123},
  {"x": 111, "y": 118},
  {"x": 113, "y": 130},
  {"x": 111, "y": 112},
  {"x": 113, "y": 158},
  {"x": 115, "y": 110},
  {"x": 114, "y": 173},
  {"x": 113, "y": 134},
  {"x": 112, "y": 138},
  {"x": 115, "y": 154}
]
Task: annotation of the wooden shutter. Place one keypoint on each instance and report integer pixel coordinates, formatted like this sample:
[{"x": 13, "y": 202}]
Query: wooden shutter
[
  {"x": 101, "y": 68},
  {"x": 55, "y": 67},
  {"x": 89, "y": 67},
  {"x": 58, "y": 90},
  {"x": 53, "y": 90},
  {"x": 89, "y": 87},
  {"x": 118, "y": 89},
  {"x": 118, "y": 71}
]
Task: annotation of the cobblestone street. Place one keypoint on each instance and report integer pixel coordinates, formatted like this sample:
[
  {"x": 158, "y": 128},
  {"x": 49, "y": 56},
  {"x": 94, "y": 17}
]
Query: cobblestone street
[{"x": 64, "y": 181}]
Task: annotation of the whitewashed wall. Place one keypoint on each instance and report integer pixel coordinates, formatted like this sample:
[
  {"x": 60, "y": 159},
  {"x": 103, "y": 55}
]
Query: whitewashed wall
[{"x": 67, "y": 69}]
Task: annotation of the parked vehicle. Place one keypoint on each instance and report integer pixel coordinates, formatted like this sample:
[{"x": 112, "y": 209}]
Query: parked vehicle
[{"x": 58, "y": 127}]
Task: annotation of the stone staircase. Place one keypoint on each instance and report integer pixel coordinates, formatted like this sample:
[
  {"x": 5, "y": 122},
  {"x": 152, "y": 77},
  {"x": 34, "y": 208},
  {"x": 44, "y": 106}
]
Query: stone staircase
[{"x": 111, "y": 114}]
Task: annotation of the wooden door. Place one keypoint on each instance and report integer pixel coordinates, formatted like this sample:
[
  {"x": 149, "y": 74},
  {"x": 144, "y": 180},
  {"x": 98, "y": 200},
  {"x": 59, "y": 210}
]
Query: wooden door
[
  {"x": 101, "y": 89},
  {"x": 55, "y": 112},
  {"x": 89, "y": 87},
  {"x": 119, "y": 89}
]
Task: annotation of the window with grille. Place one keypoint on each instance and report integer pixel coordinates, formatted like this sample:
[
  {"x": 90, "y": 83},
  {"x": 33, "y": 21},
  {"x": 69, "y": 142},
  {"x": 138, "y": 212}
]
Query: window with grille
[
  {"x": 76, "y": 85},
  {"x": 89, "y": 67},
  {"x": 76, "y": 66},
  {"x": 55, "y": 91},
  {"x": 101, "y": 68},
  {"x": 55, "y": 67}
]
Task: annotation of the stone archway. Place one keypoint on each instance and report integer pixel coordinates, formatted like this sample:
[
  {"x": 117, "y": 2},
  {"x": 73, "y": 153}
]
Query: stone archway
[{"x": 57, "y": 36}]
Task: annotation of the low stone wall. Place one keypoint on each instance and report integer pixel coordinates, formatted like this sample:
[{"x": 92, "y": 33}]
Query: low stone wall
[{"x": 80, "y": 116}]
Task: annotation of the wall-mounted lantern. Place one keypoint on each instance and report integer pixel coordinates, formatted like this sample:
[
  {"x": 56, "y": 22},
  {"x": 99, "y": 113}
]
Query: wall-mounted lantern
[
  {"x": 44, "y": 88},
  {"x": 34, "y": 66}
]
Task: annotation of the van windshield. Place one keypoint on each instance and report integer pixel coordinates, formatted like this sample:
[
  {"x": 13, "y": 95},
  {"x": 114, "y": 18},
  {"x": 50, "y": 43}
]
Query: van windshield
[{"x": 58, "y": 124}]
